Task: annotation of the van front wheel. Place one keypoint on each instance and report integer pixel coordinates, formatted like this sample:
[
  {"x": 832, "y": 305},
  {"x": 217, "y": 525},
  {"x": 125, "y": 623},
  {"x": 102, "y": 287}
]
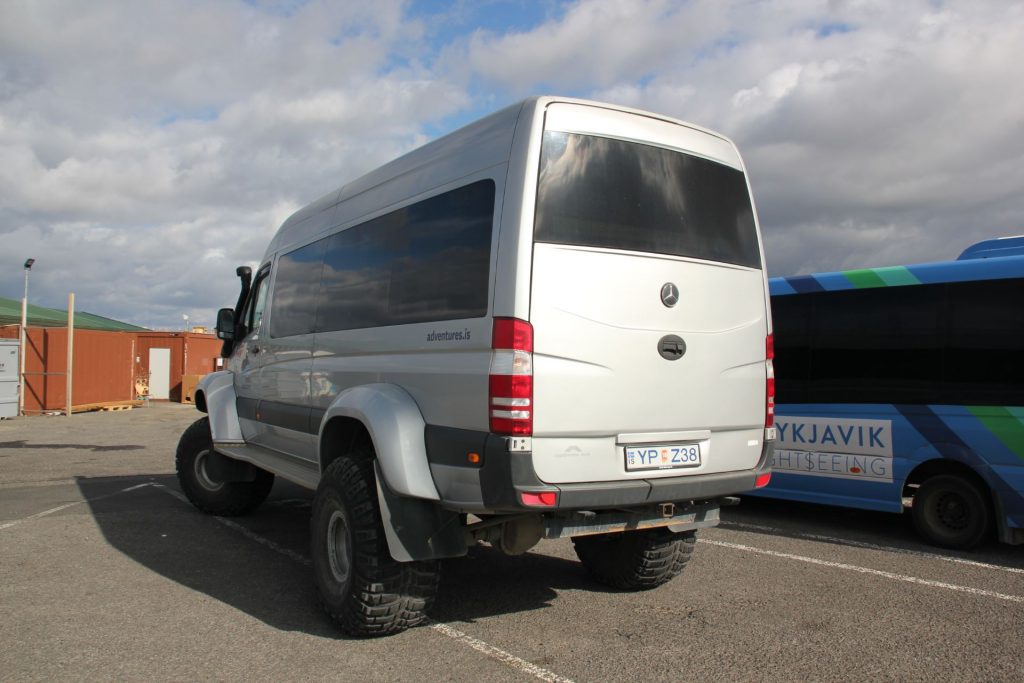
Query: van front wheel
[
  {"x": 203, "y": 488},
  {"x": 635, "y": 560},
  {"x": 361, "y": 586}
]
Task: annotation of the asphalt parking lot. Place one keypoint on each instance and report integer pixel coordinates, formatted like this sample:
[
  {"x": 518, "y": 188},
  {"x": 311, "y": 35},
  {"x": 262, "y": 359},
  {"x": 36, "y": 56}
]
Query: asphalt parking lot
[{"x": 107, "y": 574}]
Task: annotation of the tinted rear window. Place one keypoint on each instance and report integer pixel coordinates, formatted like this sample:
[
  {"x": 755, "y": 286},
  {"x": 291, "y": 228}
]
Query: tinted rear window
[{"x": 602, "y": 192}]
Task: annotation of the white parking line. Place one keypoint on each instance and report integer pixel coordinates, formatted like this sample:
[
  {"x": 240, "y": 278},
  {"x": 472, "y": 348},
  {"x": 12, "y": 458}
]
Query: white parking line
[
  {"x": 44, "y": 513},
  {"x": 444, "y": 629},
  {"x": 499, "y": 654},
  {"x": 866, "y": 570},
  {"x": 742, "y": 526}
]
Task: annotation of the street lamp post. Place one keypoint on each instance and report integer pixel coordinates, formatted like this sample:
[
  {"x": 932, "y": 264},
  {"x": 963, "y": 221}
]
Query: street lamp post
[{"x": 24, "y": 322}]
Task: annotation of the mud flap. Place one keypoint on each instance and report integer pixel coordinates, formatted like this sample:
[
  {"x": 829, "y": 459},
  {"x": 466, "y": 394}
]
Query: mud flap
[{"x": 418, "y": 529}]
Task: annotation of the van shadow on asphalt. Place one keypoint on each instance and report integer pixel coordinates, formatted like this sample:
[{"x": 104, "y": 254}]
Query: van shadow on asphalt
[{"x": 232, "y": 560}]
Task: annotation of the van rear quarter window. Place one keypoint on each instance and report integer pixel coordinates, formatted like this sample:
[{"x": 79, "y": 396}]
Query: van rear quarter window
[
  {"x": 426, "y": 262},
  {"x": 602, "y": 192}
]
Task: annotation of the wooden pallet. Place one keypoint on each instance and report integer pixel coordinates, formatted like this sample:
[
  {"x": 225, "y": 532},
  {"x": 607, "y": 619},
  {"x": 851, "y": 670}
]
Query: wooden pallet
[{"x": 107, "y": 406}]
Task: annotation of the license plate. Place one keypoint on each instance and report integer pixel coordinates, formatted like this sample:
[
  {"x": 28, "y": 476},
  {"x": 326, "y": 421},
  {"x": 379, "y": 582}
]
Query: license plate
[{"x": 662, "y": 457}]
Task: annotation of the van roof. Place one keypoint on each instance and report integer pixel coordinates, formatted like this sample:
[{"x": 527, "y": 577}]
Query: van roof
[
  {"x": 478, "y": 145},
  {"x": 489, "y": 140}
]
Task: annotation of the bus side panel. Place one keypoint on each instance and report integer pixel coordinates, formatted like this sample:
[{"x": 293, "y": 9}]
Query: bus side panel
[
  {"x": 848, "y": 455},
  {"x": 1011, "y": 498},
  {"x": 830, "y": 491},
  {"x": 994, "y": 437},
  {"x": 861, "y": 455}
]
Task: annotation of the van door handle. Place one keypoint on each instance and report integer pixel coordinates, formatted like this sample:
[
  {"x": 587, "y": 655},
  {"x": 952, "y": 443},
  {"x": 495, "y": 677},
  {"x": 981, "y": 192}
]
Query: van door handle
[
  {"x": 671, "y": 347},
  {"x": 254, "y": 349}
]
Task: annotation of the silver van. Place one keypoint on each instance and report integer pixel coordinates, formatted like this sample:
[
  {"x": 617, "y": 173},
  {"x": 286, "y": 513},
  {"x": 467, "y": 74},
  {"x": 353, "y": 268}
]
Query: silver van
[{"x": 550, "y": 323}]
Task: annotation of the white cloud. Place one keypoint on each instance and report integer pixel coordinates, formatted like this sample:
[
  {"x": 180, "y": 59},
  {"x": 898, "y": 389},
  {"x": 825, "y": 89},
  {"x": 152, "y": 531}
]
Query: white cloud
[
  {"x": 595, "y": 44},
  {"x": 896, "y": 127},
  {"x": 753, "y": 103},
  {"x": 148, "y": 148},
  {"x": 138, "y": 137}
]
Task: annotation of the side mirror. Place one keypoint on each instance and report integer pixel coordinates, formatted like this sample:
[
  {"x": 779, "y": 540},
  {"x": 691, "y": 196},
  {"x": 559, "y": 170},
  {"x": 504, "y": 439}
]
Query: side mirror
[{"x": 226, "y": 324}]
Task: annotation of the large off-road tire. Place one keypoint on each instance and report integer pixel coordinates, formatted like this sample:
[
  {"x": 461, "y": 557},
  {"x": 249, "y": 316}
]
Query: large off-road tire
[
  {"x": 224, "y": 498},
  {"x": 951, "y": 511},
  {"x": 361, "y": 586},
  {"x": 635, "y": 560}
]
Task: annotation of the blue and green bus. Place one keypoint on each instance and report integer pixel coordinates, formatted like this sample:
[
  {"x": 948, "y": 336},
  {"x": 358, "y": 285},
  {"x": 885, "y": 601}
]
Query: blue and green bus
[{"x": 904, "y": 386}]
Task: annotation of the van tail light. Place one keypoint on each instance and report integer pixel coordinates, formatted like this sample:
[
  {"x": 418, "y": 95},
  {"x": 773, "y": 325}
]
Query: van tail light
[
  {"x": 769, "y": 410},
  {"x": 763, "y": 480},
  {"x": 510, "y": 394}
]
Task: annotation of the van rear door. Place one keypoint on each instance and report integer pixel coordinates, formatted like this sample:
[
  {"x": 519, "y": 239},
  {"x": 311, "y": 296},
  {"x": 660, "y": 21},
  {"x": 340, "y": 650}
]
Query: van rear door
[{"x": 648, "y": 301}]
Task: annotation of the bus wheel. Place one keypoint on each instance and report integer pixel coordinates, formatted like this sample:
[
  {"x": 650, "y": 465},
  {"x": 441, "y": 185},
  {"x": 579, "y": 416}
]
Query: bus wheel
[
  {"x": 361, "y": 586},
  {"x": 635, "y": 560},
  {"x": 952, "y": 512}
]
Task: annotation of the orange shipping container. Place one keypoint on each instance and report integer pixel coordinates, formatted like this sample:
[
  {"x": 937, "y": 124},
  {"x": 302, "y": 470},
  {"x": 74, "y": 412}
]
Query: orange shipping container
[
  {"x": 103, "y": 369},
  {"x": 107, "y": 365},
  {"x": 164, "y": 358}
]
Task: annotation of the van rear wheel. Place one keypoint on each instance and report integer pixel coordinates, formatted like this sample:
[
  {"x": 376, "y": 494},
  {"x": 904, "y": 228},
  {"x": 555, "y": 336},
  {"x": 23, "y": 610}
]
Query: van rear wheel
[
  {"x": 361, "y": 586},
  {"x": 952, "y": 512},
  {"x": 203, "y": 488},
  {"x": 635, "y": 560}
]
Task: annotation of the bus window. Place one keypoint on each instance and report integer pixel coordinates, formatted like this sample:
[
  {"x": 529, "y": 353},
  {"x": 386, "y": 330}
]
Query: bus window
[{"x": 915, "y": 391}]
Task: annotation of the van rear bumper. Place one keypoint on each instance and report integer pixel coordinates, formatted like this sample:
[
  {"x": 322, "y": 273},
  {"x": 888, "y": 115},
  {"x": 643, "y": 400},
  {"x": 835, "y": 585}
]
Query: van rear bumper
[{"x": 497, "y": 483}]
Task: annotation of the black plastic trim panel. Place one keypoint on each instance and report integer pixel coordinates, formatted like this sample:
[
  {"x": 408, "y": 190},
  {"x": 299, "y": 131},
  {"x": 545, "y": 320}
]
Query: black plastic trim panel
[
  {"x": 246, "y": 407},
  {"x": 285, "y": 415},
  {"x": 504, "y": 476},
  {"x": 450, "y": 446}
]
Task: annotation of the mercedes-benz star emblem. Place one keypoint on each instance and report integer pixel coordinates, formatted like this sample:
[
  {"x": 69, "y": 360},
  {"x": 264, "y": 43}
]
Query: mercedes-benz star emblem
[{"x": 669, "y": 294}]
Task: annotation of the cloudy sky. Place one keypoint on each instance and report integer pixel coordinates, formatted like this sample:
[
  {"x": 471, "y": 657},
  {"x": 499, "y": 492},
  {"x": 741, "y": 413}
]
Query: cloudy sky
[{"x": 148, "y": 148}]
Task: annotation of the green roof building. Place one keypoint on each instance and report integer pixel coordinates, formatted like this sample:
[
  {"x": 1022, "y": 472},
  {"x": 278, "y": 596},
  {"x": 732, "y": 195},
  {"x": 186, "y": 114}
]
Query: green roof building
[{"x": 10, "y": 314}]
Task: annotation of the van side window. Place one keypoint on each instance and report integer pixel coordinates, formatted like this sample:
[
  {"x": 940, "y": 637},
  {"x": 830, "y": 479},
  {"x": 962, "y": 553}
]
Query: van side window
[
  {"x": 256, "y": 303},
  {"x": 295, "y": 291},
  {"x": 426, "y": 262},
  {"x": 259, "y": 303}
]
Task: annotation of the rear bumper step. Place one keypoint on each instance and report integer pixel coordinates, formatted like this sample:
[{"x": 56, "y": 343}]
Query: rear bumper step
[{"x": 574, "y": 524}]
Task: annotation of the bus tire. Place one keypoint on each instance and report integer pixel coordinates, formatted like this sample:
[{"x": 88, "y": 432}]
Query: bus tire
[
  {"x": 635, "y": 560},
  {"x": 951, "y": 511},
  {"x": 361, "y": 587},
  {"x": 223, "y": 498}
]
